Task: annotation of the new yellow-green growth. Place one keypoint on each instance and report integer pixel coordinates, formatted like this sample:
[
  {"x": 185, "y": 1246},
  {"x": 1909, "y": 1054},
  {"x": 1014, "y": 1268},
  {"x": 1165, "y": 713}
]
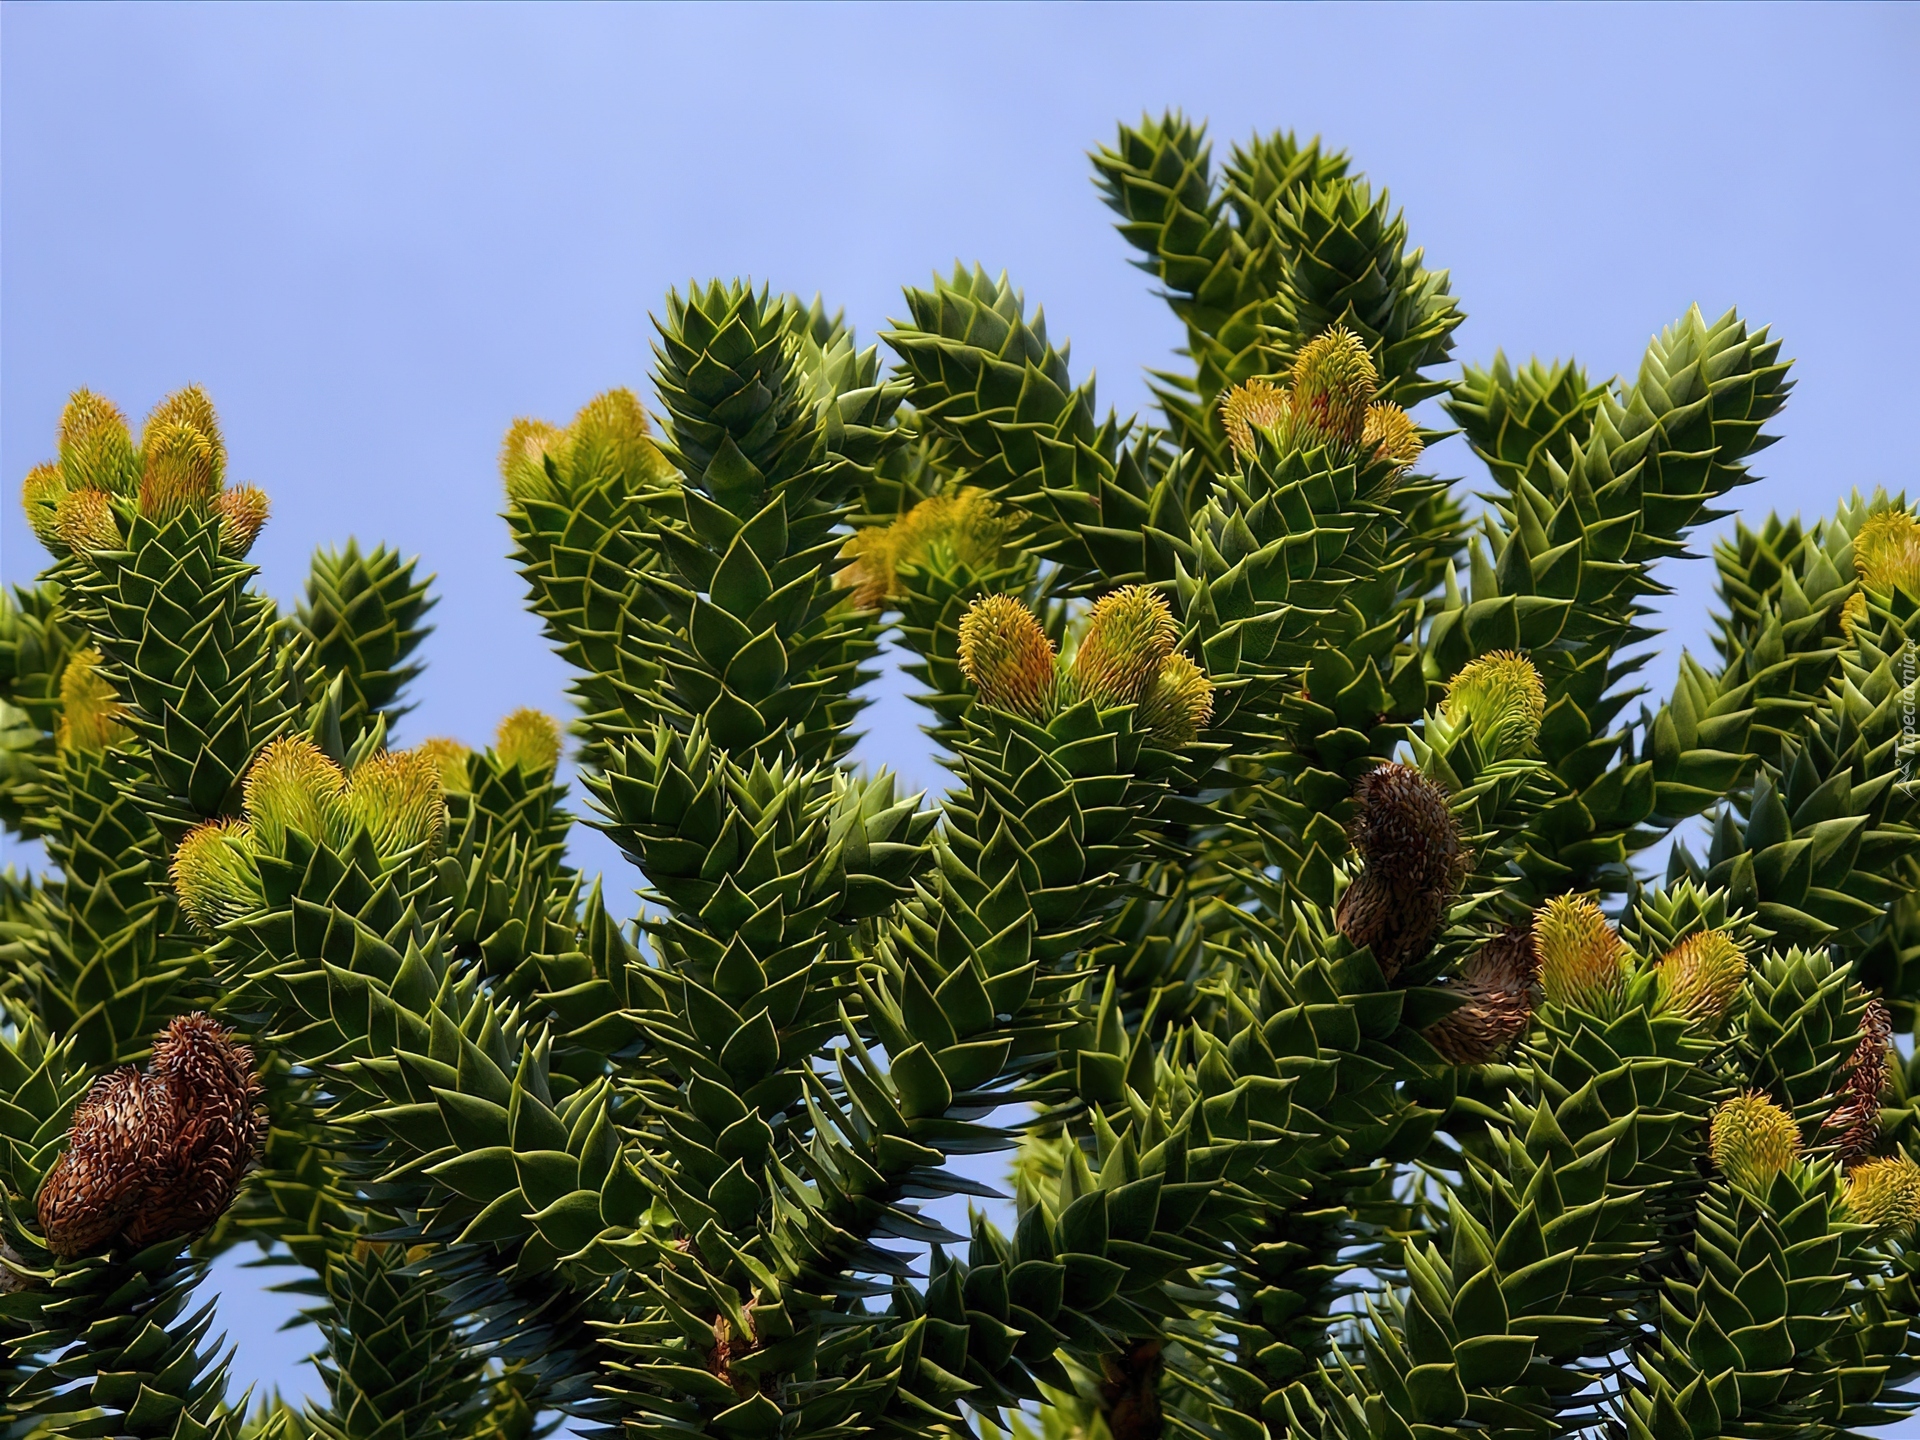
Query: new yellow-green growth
[
  {"x": 90, "y": 712},
  {"x": 213, "y": 873},
  {"x": 451, "y": 758},
  {"x": 1178, "y": 704},
  {"x": 1752, "y": 1140},
  {"x": 527, "y": 738},
  {"x": 1852, "y": 612},
  {"x": 1885, "y": 1193},
  {"x": 1886, "y": 552},
  {"x": 1583, "y": 964},
  {"x": 1503, "y": 696},
  {"x": 609, "y": 437},
  {"x": 525, "y": 454},
  {"x": 961, "y": 527},
  {"x": 1333, "y": 383},
  {"x": 397, "y": 798},
  {"x": 1129, "y": 635},
  {"x": 1007, "y": 656},
  {"x": 1700, "y": 976},
  {"x": 294, "y": 786}
]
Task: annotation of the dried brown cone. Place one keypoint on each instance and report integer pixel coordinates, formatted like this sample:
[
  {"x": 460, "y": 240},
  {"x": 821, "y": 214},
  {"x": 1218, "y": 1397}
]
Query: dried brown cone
[
  {"x": 1130, "y": 1391},
  {"x": 158, "y": 1152},
  {"x": 99, "y": 1182},
  {"x": 1856, "y": 1112},
  {"x": 217, "y": 1128},
  {"x": 1412, "y": 859},
  {"x": 1498, "y": 982}
]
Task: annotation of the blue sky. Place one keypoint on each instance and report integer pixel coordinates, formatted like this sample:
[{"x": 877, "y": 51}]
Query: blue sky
[{"x": 378, "y": 233}]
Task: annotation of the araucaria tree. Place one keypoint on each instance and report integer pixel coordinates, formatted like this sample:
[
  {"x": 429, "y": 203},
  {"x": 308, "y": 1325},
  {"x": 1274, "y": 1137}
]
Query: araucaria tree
[{"x": 1290, "y": 947}]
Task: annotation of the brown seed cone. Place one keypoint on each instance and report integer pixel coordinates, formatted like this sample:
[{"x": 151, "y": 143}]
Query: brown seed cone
[
  {"x": 1130, "y": 1391},
  {"x": 1412, "y": 861},
  {"x": 1498, "y": 982},
  {"x": 216, "y": 1133},
  {"x": 157, "y": 1153},
  {"x": 95, "y": 1187},
  {"x": 1856, "y": 1112}
]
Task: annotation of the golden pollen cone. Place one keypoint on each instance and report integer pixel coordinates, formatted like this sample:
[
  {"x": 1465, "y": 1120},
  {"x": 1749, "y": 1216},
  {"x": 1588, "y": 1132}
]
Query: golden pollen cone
[
  {"x": 1252, "y": 405},
  {"x": 1503, "y": 696},
  {"x": 1333, "y": 383},
  {"x": 190, "y": 408},
  {"x": 243, "y": 513},
  {"x": 1130, "y": 633},
  {"x": 954, "y": 528},
  {"x": 1700, "y": 976},
  {"x": 1583, "y": 964},
  {"x": 85, "y": 522},
  {"x": 1752, "y": 1140},
  {"x": 1007, "y": 656},
  {"x": 1178, "y": 704},
  {"x": 529, "y": 739},
  {"x": 40, "y": 495},
  {"x": 1389, "y": 434},
  {"x": 1885, "y": 1193},
  {"x": 180, "y": 474},
  {"x": 1886, "y": 552},
  {"x": 96, "y": 448}
]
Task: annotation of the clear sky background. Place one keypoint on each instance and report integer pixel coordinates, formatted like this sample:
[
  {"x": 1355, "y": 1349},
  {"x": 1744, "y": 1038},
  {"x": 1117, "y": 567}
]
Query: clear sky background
[{"x": 378, "y": 233}]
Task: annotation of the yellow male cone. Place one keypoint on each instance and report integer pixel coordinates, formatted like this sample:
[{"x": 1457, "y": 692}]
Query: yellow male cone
[
  {"x": 1752, "y": 1140},
  {"x": 1503, "y": 696},
  {"x": 1129, "y": 635},
  {"x": 1885, "y": 1193},
  {"x": 1007, "y": 656},
  {"x": 1583, "y": 964}
]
